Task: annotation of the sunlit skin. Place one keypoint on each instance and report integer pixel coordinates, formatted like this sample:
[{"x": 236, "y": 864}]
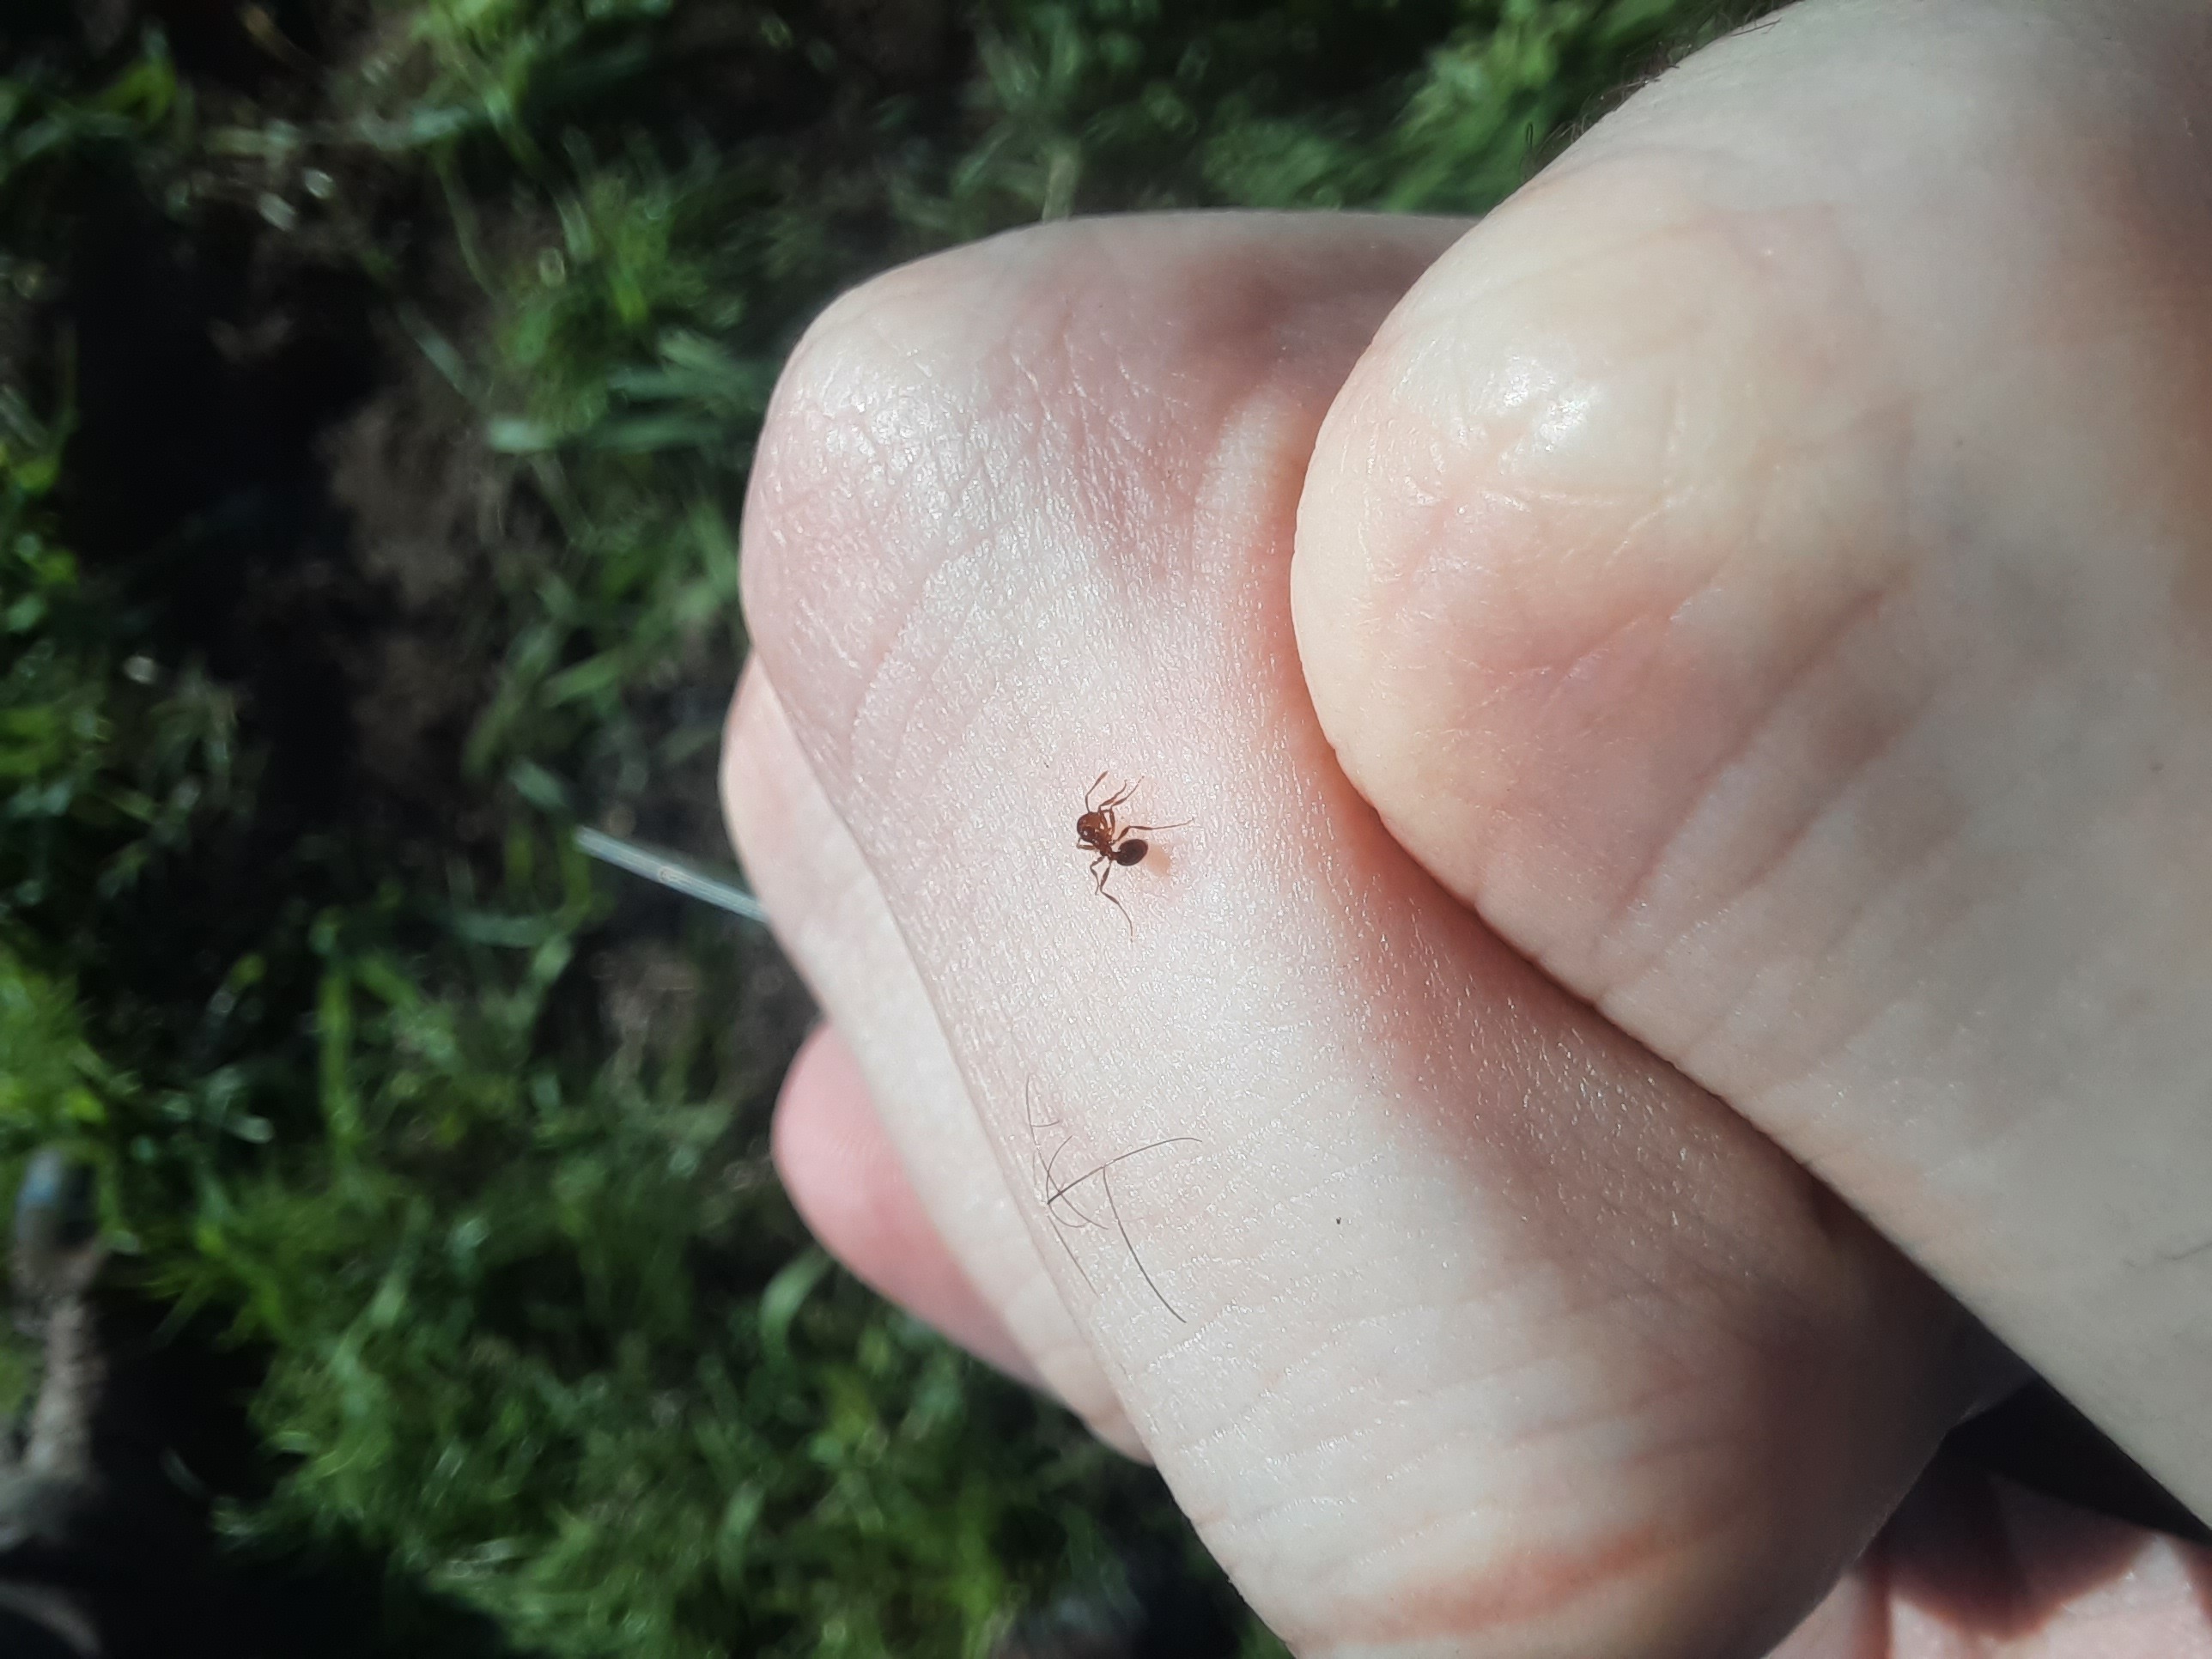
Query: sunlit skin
[{"x": 1777, "y": 538}]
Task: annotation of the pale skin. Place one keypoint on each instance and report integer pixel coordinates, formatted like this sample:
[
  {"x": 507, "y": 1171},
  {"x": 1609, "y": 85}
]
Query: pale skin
[{"x": 1689, "y": 702}]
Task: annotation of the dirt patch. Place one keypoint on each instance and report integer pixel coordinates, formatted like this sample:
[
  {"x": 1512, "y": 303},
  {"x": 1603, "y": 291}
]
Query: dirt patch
[{"x": 425, "y": 502}]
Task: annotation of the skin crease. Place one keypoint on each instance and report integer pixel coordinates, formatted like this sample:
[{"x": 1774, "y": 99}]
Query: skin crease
[{"x": 1478, "y": 1329}]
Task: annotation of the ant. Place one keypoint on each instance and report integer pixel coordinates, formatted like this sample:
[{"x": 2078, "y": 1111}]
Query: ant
[{"x": 1112, "y": 843}]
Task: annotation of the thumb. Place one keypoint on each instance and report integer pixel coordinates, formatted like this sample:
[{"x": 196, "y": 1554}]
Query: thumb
[{"x": 1762, "y": 569}]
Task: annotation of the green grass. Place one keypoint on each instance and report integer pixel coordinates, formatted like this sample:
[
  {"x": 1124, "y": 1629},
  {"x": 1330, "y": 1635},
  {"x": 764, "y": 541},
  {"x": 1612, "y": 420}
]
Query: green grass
[{"x": 464, "y": 1142}]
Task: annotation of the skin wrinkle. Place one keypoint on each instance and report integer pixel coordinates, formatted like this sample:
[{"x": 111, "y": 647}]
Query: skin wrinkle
[
  {"x": 1380, "y": 1562},
  {"x": 1383, "y": 1563},
  {"x": 1745, "y": 888},
  {"x": 1722, "y": 1269},
  {"x": 1717, "y": 1256},
  {"x": 1663, "y": 844},
  {"x": 1291, "y": 1495},
  {"x": 889, "y": 722},
  {"x": 1720, "y": 1031},
  {"x": 818, "y": 607},
  {"x": 1928, "y": 865},
  {"x": 1627, "y": 241},
  {"x": 1279, "y": 1380},
  {"x": 1406, "y": 585},
  {"x": 1774, "y": 704},
  {"x": 1555, "y": 682},
  {"x": 1526, "y": 1586},
  {"x": 1095, "y": 480},
  {"x": 1142, "y": 582},
  {"x": 920, "y": 613},
  {"x": 1559, "y": 1428}
]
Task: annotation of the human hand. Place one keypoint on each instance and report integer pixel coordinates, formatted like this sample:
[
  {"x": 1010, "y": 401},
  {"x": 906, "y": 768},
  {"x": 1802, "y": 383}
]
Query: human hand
[{"x": 1694, "y": 575}]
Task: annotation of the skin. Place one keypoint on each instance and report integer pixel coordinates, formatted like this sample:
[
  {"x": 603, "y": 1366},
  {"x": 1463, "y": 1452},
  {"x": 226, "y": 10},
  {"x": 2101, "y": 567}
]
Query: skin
[{"x": 1685, "y": 699}]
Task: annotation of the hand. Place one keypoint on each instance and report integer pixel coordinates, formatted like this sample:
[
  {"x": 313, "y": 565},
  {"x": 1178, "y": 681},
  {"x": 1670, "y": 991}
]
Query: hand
[{"x": 1760, "y": 572}]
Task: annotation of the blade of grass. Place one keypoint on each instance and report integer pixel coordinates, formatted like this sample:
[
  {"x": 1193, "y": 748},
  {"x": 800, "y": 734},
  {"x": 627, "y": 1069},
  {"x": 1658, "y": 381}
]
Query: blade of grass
[{"x": 672, "y": 871}]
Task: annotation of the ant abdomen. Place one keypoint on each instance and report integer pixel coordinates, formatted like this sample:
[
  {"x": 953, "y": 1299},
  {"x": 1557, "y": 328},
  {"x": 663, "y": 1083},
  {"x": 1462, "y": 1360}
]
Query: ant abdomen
[{"x": 1131, "y": 852}]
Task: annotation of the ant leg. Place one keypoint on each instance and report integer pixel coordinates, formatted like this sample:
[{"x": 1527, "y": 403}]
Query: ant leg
[{"x": 1103, "y": 865}]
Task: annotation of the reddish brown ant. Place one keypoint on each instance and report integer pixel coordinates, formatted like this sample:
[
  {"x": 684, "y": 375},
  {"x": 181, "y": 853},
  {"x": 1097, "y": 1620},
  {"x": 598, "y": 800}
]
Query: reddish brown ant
[{"x": 1111, "y": 843}]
